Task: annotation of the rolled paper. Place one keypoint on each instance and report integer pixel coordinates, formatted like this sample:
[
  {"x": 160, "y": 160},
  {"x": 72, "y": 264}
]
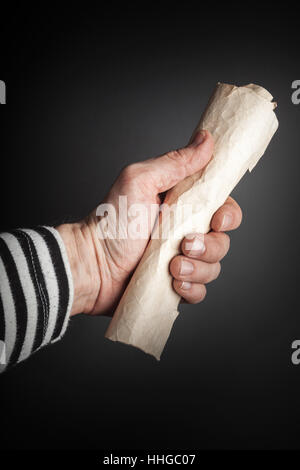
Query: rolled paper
[{"x": 242, "y": 122}]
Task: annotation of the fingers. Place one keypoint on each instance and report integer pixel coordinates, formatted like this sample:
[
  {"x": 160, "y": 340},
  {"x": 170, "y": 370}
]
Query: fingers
[
  {"x": 201, "y": 254},
  {"x": 192, "y": 293},
  {"x": 210, "y": 248},
  {"x": 198, "y": 264},
  {"x": 228, "y": 217},
  {"x": 183, "y": 268}
]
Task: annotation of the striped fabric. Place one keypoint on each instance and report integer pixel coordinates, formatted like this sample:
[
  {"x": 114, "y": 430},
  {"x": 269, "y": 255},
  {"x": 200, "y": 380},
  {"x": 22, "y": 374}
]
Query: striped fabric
[{"x": 36, "y": 292}]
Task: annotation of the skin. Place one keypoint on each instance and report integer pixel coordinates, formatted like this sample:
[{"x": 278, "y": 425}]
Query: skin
[{"x": 101, "y": 268}]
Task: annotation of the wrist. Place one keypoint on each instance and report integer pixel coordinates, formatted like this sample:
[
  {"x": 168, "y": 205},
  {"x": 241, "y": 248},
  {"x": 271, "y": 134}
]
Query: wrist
[{"x": 79, "y": 242}]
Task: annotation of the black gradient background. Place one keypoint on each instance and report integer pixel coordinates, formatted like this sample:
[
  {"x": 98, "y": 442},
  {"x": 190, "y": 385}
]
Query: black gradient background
[{"x": 89, "y": 91}]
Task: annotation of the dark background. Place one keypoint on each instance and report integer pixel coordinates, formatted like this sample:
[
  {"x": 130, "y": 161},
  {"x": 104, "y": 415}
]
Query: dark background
[{"x": 89, "y": 91}]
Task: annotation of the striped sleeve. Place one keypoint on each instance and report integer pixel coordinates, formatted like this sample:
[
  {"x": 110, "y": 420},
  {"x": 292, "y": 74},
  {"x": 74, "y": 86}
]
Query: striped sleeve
[{"x": 36, "y": 292}]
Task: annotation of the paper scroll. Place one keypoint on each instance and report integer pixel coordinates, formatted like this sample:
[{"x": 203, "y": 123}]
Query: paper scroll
[{"x": 242, "y": 122}]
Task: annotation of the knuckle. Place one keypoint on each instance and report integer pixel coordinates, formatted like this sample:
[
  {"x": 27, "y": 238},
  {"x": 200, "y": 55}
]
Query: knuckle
[
  {"x": 130, "y": 172},
  {"x": 177, "y": 155}
]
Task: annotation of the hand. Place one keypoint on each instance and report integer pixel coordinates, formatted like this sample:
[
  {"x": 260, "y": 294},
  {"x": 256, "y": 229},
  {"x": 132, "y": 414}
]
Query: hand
[{"x": 101, "y": 268}]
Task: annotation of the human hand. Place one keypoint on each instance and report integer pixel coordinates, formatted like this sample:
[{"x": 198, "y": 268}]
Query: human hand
[{"x": 102, "y": 267}]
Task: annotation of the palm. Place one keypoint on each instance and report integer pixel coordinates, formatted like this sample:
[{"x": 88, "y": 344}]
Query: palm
[{"x": 141, "y": 183}]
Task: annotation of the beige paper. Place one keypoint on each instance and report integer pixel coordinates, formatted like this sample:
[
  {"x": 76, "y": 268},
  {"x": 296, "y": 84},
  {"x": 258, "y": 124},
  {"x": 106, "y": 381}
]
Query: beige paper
[{"x": 242, "y": 122}]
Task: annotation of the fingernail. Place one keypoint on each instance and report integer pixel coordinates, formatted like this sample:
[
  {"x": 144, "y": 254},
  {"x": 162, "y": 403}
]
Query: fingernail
[
  {"x": 226, "y": 222},
  {"x": 185, "y": 285},
  {"x": 196, "y": 245},
  {"x": 198, "y": 138},
  {"x": 186, "y": 267}
]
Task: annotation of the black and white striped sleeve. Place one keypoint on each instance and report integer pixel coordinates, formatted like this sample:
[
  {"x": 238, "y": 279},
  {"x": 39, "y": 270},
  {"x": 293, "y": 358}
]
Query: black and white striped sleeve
[{"x": 36, "y": 292}]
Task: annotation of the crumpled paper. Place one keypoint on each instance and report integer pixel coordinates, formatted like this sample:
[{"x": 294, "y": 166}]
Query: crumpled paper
[{"x": 242, "y": 122}]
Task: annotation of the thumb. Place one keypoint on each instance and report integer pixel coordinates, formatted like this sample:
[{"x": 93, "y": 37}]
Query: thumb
[{"x": 166, "y": 171}]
